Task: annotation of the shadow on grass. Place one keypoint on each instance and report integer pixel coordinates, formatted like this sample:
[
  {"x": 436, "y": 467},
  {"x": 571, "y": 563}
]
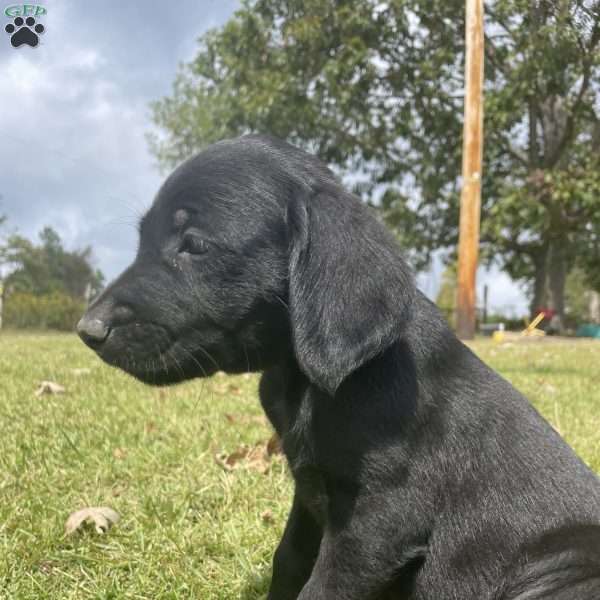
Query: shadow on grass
[{"x": 257, "y": 586}]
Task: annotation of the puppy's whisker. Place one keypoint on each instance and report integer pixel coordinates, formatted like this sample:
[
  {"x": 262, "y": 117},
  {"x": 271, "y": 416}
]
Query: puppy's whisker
[
  {"x": 163, "y": 360},
  {"x": 204, "y": 351},
  {"x": 210, "y": 357},
  {"x": 194, "y": 359},
  {"x": 177, "y": 363},
  {"x": 247, "y": 358},
  {"x": 282, "y": 302}
]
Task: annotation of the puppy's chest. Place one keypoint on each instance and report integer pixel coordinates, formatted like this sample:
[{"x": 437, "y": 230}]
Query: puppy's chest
[
  {"x": 289, "y": 404},
  {"x": 286, "y": 399},
  {"x": 299, "y": 445}
]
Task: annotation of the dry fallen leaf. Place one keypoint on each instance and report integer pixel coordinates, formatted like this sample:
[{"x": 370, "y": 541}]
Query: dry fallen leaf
[
  {"x": 49, "y": 387},
  {"x": 48, "y": 567},
  {"x": 274, "y": 445},
  {"x": 232, "y": 460},
  {"x": 101, "y": 517},
  {"x": 120, "y": 453},
  {"x": 244, "y": 419},
  {"x": 118, "y": 489},
  {"x": 256, "y": 457},
  {"x": 267, "y": 516}
]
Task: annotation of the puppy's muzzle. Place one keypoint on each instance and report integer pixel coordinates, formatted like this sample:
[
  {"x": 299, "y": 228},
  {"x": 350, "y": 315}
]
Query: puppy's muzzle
[
  {"x": 99, "y": 320},
  {"x": 92, "y": 331}
]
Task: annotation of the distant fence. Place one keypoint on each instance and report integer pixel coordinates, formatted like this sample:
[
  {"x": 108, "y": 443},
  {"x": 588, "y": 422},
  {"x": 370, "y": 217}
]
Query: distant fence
[{"x": 485, "y": 322}]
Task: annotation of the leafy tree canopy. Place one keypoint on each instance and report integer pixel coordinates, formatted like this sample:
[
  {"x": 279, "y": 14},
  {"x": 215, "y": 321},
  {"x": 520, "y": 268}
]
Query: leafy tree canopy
[
  {"x": 47, "y": 267},
  {"x": 376, "y": 90}
]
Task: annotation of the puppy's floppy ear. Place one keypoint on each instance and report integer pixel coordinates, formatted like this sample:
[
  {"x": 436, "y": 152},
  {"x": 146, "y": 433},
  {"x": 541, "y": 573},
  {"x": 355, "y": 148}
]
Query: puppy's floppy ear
[{"x": 350, "y": 291}]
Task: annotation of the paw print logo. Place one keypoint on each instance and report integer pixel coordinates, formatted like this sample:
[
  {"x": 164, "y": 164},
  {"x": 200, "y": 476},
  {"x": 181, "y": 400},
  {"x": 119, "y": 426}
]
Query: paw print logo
[{"x": 24, "y": 32}]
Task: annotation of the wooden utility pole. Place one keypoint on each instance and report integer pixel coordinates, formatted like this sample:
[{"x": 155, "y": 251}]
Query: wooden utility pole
[{"x": 470, "y": 199}]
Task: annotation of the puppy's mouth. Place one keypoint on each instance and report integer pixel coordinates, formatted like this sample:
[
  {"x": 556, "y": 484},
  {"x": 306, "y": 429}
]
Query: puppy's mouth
[{"x": 152, "y": 354}]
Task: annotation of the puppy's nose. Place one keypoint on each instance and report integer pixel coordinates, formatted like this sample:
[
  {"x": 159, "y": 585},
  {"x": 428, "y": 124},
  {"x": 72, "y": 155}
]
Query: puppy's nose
[{"x": 92, "y": 331}]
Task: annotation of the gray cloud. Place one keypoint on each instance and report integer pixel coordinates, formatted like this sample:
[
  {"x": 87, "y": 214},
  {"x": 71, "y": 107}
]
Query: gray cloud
[{"x": 75, "y": 113}]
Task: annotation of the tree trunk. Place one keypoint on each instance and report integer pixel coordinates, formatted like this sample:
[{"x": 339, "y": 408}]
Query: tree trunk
[
  {"x": 557, "y": 276},
  {"x": 540, "y": 288},
  {"x": 552, "y": 267},
  {"x": 594, "y": 308}
]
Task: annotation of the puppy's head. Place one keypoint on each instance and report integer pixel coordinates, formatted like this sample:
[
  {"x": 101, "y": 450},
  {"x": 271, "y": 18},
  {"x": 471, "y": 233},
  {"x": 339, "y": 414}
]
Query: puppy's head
[{"x": 251, "y": 254}]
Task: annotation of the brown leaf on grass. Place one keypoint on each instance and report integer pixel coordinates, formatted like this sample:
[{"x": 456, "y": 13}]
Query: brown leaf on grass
[
  {"x": 257, "y": 458},
  {"x": 150, "y": 427},
  {"x": 229, "y": 461},
  {"x": 101, "y": 517},
  {"x": 258, "y": 419},
  {"x": 274, "y": 445},
  {"x": 267, "y": 516},
  {"x": 48, "y": 567},
  {"x": 118, "y": 489},
  {"x": 49, "y": 387},
  {"x": 120, "y": 453}
]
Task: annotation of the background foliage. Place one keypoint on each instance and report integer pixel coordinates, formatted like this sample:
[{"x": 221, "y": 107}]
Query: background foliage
[
  {"x": 376, "y": 90},
  {"x": 56, "y": 310},
  {"x": 46, "y": 286}
]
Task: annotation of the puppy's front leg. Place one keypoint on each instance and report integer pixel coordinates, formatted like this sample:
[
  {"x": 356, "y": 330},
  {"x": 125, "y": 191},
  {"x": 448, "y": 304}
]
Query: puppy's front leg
[
  {"x": 361, "y": 560},
  {"x": 296, "y": 554}
]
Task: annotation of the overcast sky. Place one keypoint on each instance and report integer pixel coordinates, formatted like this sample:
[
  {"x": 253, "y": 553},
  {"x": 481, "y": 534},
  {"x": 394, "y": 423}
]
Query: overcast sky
[{"x": 74, "y": 114}]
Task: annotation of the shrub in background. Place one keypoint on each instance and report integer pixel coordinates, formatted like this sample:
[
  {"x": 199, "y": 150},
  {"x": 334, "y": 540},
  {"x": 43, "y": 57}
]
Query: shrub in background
[
  {"x": 55, "y": 310},
  {"x": 581, "y": 299}
]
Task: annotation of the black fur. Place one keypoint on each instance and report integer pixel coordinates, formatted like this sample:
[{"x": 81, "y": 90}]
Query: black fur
[{"x": 420, "y": 473}]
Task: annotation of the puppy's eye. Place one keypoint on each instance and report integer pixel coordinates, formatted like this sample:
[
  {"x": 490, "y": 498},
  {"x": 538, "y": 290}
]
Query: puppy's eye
[{"x": 192, "y": 244}]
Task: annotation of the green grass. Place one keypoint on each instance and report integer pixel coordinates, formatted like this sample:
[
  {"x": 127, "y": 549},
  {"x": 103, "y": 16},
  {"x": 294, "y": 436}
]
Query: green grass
[{"x": 189, "y": 528}]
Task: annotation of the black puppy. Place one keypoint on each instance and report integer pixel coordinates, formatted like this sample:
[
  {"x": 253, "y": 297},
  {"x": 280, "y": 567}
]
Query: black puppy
[{"x": 420, "y": 473}]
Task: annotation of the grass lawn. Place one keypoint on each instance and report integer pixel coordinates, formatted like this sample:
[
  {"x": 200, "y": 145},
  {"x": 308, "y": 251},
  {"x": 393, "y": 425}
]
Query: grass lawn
[{"x": 190, "y": 527}]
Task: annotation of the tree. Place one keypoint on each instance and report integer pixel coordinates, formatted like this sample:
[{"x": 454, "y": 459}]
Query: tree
[
  {"x": 446, "y": 298},
  {"x": 376, "y": 90},
  {"x": 47, "y": 268},
  {"x": 579, "y": 298}
]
